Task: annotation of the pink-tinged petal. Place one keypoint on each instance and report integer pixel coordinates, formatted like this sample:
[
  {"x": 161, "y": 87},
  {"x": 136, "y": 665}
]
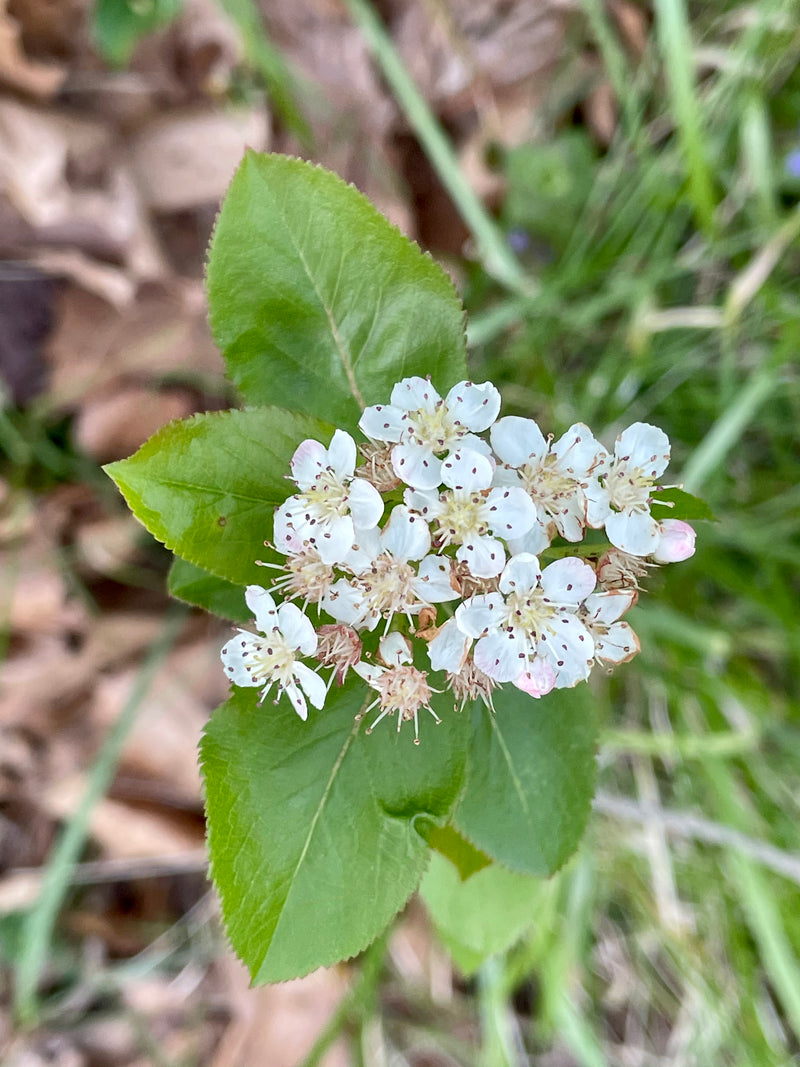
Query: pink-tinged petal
[
  {"x": 609, "y": 605},
  {"x": 538, "y": 679},
  {"x": 475, "y": 407},
  {"x": 517, "y": 440},
  {"x": 333, "y": 540},
  {"x": 467, "y": 470},
  {"x": 263, "y": 608},
  {"x": 298, "y": 701},
  {"x": 619, "y": 645},
  {"x": 570, "y": 520},
  {"x": 568, "y": 581},
  {"x": 311, "y": 684},
  {"x": 433, "y": 581},
  {"x": 413, "y": 394},
  {"x": 297, "y": 629},
  {"x": 485, "y": 556},
  {"x": 521, "y": 573},
  {"x": 393, "y": 649},
  {"x": 501, "y": 655},
  {"x": 366, "y": 504},
  {"x": 382, "y": 422},
  {"x": 237, "y": 655},
  {"x": 309, "y": 460},
  {"x": 644, "y": 446},
  {"x": 284, "y": 534},
  {"x": 416, "y": 466},
  {"x": 676, "y": 541},
  {"x": 635, "y": 532},
  {"x": 406, "y": 536},
  {"x": 480, "y": 615},
  {"x": 577, "y": 450},
  {"x": 510, "y": 512},
  {"x": 448, "y": 650},
  {"x": 569, "y": 648},
  {"x": 342, "y": 455},
  {"x": 598, "y": 505},
  {"x": 536, "y": 540},
  {"x": 425, "y": 502},
  {"x": 370, "y": 672}
]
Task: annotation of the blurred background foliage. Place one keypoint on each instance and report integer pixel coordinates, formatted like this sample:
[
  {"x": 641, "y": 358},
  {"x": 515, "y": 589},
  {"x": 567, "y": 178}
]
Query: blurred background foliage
[{"x": 615, "y": 188}]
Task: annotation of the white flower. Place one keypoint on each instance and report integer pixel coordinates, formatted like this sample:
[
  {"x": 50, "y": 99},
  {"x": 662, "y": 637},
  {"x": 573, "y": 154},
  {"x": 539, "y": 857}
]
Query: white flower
[
  {"x": 449, "y": 651},
  {"x": 270, "y": 660},
  {"x": 422, "y": 426},
  {"x": 386, "y": 583},
  {"x": 555, "y": 476},
  {"x": 534, "y": 621},
  {"x": 676, "y": 541},
  {"x": 332, "y": 503},
  {"x": 401, "y": 687},
  {"x": 614, "y": 641},
  {"x": 472, "y": 515},
  {"x": 622, "y": 501},
  {"x": 305, "y": 575}
]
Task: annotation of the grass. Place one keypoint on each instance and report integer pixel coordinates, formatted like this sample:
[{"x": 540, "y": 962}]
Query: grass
[{"x": 667, "y": 292}]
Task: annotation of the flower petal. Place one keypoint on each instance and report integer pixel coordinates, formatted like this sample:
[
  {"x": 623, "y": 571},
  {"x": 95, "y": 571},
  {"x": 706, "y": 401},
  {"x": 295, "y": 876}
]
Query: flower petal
[
  {"x": 536, "y": 540},
  {"x": 501, "y": 655},
  {"x": 309, "y": 460},
  {"x": 448, "y": 650},
  {"x": 467, "y": 470},
  {"x": 635, "y": 532},
  {"x": 516, "y": 440},
  {"x": 370, "y": 672},
  {"x": 609, "y": 605},
  {"x": 511, "y": 512},
  {"x": 342, "y": 455},
  {"x": 485, "y": 556},
  {"x": 477, "y": 444},
  {"x": 598, "y": 504},
  {"x": 393, "y": 649},
  {"x": 263, "y": 608},
  {"x": 538, "y": 679},
  {"x": 520, "y": 573},
  {"x": 366, "y": 504},
  {"x": 413, "y": 394},
  {"x": 480, "y": 614},
  {"x": 297, "y": 699},
  {"x": 365, "y": 550},
  {"x": 475, "y": 407},
  {"x": 333, "y": 540},
  {"x": 346, "y": 603},
  {"x": 311, "y": 683},
  {"x": 406, "y": 536},
  {"x": 569, "y": 648},
  {"x": 618, "y": 645},
  {"x": 643, "y": 446},
  {"x": 425, "y": 502},
  {"x": 416, "y": 466},
  {"x": 577, "y": 450},
  {"x": 284, "y": 534},
  {"x": 568, "y": 581},
  {"x": 236, "y": 657},
  {"x": 433, "y": 580},
  {"x": 382, "y": 422},
  {"x": 570, "y": 519},
  {"x": 297, "y": 629}
]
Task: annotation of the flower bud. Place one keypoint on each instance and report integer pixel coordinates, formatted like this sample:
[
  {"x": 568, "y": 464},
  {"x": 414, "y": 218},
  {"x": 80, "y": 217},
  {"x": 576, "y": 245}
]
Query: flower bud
[{"x": 676, "y": 541}]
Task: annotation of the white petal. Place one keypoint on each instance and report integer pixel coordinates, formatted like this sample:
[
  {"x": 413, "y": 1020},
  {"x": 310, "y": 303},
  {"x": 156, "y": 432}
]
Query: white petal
[
  {"x": 311, "y": 683},
  {"x": 297, "y": 699},
  {"x": 370, "y": 672},
  {"x": 618, "y": 645},
  {"x": 516, "y": 440},
  {"x": 609, "y": 605},
  {"x": 411, "y": 394},
  {"x": 570, "y": 519},
  {"x": 635, "y": 532},
  {"x": 366, "y": 504},
  {"x": 284, "y": 535},
  {"x": 538, "y": 679},
  {"x": 501, "y": 655},
  {"x": 568, "y": 581},
  {"x": 569, "y": 647},
  {"x": 510, "y": 512},
  {"x": 263, "y": 608},
  {"x": 448, "y": 650},
  {"x": 425, "y": 502},
  {"x": 467, "y": 470},
  {"x": 236, "y": 655},
  {"x": 520, "y": 573},
  {"x": 345, "y": 603},
  {"x": 676, "y": 541},
  {"x": 475, "y": 407},
  {"x": 577, "y": 450},
  {"x": 382, "y": 422},
  {"x": 485, "y": 556},
  {"x": 480, "y": 615},
  {"x": 393, "y": 649},
  {"x": 433, "y": 580},
  {"x": 644, "y": 446},
  {"x": 333, "y": 540},
  {"x": 365, "y": 550},
  {"x": 598, "y": 506},
  {"x": 297, "y": 629},
  {"x": 416, "y": 466},
  {"x": 342, "y": 455},
  {"x": 309, "y": 460},
  {"x": 477, "y": 444},
  {"x": 406, "y": 536},
  {"x": 536, "y": 540}
]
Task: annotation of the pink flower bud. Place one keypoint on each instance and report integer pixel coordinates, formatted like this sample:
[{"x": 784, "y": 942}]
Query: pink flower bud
[{"x": 676, "y": 543}]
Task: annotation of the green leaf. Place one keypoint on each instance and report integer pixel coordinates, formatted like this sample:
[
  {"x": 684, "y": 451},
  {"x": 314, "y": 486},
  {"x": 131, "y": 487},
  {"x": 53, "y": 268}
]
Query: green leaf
[
  {"x": 119, "y": 25},
  {"x": 530, "y": 778},
  {"x": 479, "y": 917},
  {"x": 448, "y": 842},
  {"x": 208, "y": 487},
  {"x": 193, "y": 585},
  {"x": 312, "y": 825},
  {"x": 682, "y": 505},
  {"x": 318, "y": 303}
]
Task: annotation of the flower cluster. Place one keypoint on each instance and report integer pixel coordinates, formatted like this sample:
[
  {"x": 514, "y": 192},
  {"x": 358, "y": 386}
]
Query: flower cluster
[{"x": 434, "y": 541}]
